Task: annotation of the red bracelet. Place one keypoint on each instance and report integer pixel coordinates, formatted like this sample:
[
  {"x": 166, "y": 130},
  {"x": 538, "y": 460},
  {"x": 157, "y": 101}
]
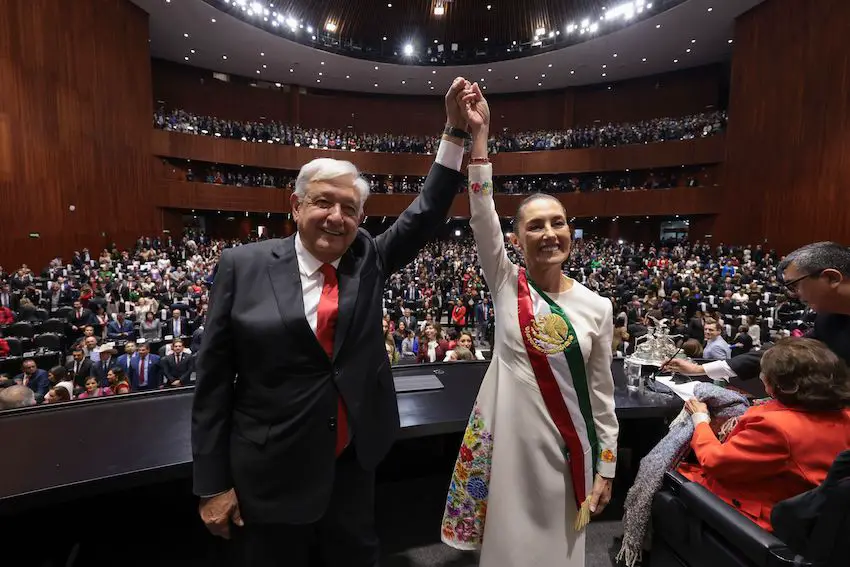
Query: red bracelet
[{"x": 479, "y": 161}]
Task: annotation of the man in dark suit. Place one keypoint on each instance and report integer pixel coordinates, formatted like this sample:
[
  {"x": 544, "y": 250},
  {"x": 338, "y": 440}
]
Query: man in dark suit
[
  {"x": 177, "y": 326},
  {"x": 287, "y": 450},
  {"x": 80, "y": 317},
  {"x": 79, "y": 369},
  {"x": 34, "y": 378},
  {"x": 817, "y": 274},
  {"x": 178, "y": 366},
  {"x": 145, "y": 370},
  {"x": 120, "y": 328}
]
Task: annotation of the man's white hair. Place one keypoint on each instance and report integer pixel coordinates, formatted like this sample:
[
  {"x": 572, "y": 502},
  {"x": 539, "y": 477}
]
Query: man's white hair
[{"x": 323, "y": 169}]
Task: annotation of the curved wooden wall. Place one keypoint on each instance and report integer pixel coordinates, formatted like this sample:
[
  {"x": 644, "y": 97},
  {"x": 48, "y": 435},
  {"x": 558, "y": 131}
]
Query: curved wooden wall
[
  {"x": 75, "y": 115},
  {"x": 642, "y": 156},
  {"x": 682, "y": 200}
]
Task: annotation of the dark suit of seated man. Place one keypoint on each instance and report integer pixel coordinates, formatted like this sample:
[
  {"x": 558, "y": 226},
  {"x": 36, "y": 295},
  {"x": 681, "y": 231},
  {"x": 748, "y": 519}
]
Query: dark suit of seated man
[
  {"x": 819, "y": 275},
  {"x": 294, "y": 401},
  {"x": 145, "y": 371},
  {"x": 178, "y": 366},
  {"x": 34, "y": 378}
]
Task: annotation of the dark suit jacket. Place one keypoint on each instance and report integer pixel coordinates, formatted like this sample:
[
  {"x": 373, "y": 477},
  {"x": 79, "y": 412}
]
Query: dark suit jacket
[
  {"x": 271, "y": 431},
  {"x": 39, "y": 383},
  {"x": 831, "y": 329},
  {"x": 82, "y": 375},
  {"x": 87, "y": 319},
  {"x": 172, "y": 371},
  {"x": 168, "y": 328},
  {"x": 115, "y": 330},
  {"x": 153, "y": 378}
]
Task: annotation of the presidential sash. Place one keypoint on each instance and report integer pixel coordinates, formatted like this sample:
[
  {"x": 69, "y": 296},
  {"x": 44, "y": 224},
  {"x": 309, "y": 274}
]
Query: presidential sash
[{"x": 556, "y": 359}]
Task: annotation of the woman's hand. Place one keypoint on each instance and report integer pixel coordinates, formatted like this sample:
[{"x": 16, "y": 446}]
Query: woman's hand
[
  {"x": 695, "y": 406},
  {"x": 601, "y": 494},
  {"x": 474, "y": 107}
]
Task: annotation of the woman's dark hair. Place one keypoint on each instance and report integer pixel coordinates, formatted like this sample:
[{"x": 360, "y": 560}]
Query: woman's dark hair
[
  {"x": 805, "y": 373},
  {"x": 692, "y": 348},
  {"x": 59, "y": 373},
  {"x": 526, "y": 201},
  {"x": 118, "y": 372}
]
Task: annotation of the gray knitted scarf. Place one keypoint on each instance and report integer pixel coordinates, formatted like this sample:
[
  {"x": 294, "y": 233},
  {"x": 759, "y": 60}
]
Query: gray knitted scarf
[{"x": 723, "y": 405}]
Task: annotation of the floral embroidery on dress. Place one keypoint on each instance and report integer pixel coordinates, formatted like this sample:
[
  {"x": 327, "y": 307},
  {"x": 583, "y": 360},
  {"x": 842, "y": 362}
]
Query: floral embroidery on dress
[
  {"x": 476, "y": 187},
  {"x": 466, "y": 504}
]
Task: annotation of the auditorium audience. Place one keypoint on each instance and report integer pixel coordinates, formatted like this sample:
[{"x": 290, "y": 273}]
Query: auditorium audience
[
  {"x": 607, "y": 135},
  {"x": 784, "y": 447}
]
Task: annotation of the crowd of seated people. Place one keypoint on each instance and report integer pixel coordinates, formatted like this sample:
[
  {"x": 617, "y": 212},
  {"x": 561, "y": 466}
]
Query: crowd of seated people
[
  {"x": 667, "y": 178},
  {"x": 607, "y": 135},
  {"x": 720, "y": 301}
]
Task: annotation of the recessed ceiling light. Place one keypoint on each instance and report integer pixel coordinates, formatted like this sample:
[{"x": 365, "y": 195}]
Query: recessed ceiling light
[
  {"x": 318, "y": 80},
  {"x": 186, "y": 58},
  {"x": 543, "y": 75},
  {"x": 385, "y": 38},
  {"x": 277, "y": 85},
  {"x": 258, "y": 71},
  {"x": 489, "y": 70},
  {"x": 376, "y": 84},
  {"x": 191, "y": 51},
  {"x": 489, "y": 6},
  {"x": 539, "y": 84},
  {"x": 675, "y": 60},
  {"x": 688, "y": 50},
  {"x": 658, "y": 26},
  {"x": 486, "y": 39},
  {"x": 432, "y": 88},
  {"x": 313, "y": 38},
  {"x": 213, "y": 20},
  {"x": 433, "y": 72},
  {"x": 644, "y": 59},
  {"x": 550, "y": 65},
  {"x": 710, "y": 9},
  {"x": 693, "y": 41},
  {"x": 376, "y": 67},
  {"x": 262, "y": 54},
  {"x": 389, "y": 5},
  {"x": 185, "y": 35},
  {"x": 572, "y": 72},
  {"x": 348, "y": 76},
  {"x": 484, "y": 87},
  {"x": 436, "y": 41},
  {"x": 516, "y": 77},
  {"x": 403, "y": 83},
  {"x": 604, "y": 74},
  {"x": 730, "y": 41},
  {"x": 320, "y": 73},
  {"x": 264, "y": 67},
  {"x": 429, "y": 82},
  {"x": 615, "y": 55},
  {"x": 604, "y": 66},
  {"x": 224, "y": 56}
]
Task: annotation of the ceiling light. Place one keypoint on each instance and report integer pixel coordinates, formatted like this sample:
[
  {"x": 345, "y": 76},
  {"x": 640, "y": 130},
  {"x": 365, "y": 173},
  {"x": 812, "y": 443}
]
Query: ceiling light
[
  {"x": 710, "y": 9},
  {"x": 186, "y": 58},
  {"x": 408, "y": 50},
  {"x": 585, "y": 22},
  {"x": 551, "y": 34},
  {"x": 593, "y": 28},
  {"x": 264, "y": 67},
  {"x": 539, "y": 84},
  {"x": 258, "y": 71},
  {"x": 309, "y": 29},
  {"x": 550, "y": 65},
  {"x": 693, "y": 41},
  {"x": 730, "y": 41},
  {"x": 644, "y": 59},
  {"x": 539, "y": 31},
  {"x": 191, "y": 51},
  {"x": 489, "y": 6},
  {"x": 436, "y": 41},
  {"x": 330, "y": 26},
  {"x": 224, "y": 56},
  {"x": 604, "y": 66},
  {"x": 516, "y": 77},
  {"x": 384, "y": 38},
  {"x": 675, "y": 60},
  {"x": 292, "y": 23},
  {"x": 321, "y": 62},
  {"x": 213, "y": 20},
  {"x": 389, "y": 5},
  {"x": 489, "y": 70},
  {"x": 185, "y": 35},
  {"x": 376, "y": 84},
  {"x": 484, "y": 87},
  {"x": 292, "y": 70},
  {"x": 277, "y": 85},
  {"x": 658, "y": 26},
  {"x": 615, "y": 55},
  {"x": 486, "y": 39},
  {"x": 688, "y": 50},
  {"x": 439, "y": 10},
  {"x": 432, "y": 88},
  {"x": 572, "y": 72},
  {"x": 318, "y": 80},
  {"x": 604, "y": 74},
  {"x": 320, "y": 73},
  {"x": 376, "y": 67},
  {"x": 432, "y": 72},
  {"x": 403, "y": 83},
  {"x": 543, "y": 75},
  {"x": 429, "y": 82},
  {"x": 257, "y": 7},
  {"x": 348, "y": 76},
  {"x": 571, "y": 28}
]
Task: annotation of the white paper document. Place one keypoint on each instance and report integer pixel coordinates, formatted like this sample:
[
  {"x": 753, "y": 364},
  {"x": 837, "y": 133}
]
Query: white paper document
[{"x": 684, "y": 391}]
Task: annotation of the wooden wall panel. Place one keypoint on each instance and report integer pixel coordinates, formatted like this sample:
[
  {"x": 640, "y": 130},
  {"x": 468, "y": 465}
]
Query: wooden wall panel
[
  {"x": 648, "y": 156},
  {"x": 205, "y": 196},
  {"x": 671, "y": 94},
  {"x": 76, "y": 113},
  {"x": 788, "y": 154}
]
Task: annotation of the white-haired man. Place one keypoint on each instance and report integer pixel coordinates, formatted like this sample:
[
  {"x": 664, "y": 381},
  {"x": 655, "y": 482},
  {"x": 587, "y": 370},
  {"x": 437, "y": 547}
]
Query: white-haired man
[{"x": 294, "y": 401}]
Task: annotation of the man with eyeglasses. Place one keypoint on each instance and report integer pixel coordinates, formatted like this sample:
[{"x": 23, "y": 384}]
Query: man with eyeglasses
[{"x": 817, "y": 274}]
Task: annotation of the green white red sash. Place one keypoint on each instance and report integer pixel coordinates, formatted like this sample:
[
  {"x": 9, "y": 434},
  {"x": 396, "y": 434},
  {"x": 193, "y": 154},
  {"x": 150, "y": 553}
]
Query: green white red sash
[{"x": 555, "y": 354}]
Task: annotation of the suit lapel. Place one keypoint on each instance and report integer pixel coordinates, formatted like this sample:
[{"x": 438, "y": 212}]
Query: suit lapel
[
  {"x": 286, "y": 284},
  {"x": 349, "y": 287}
]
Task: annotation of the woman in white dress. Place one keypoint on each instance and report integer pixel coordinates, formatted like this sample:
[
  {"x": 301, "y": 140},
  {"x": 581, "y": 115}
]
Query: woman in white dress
[{"x": 539, "y": 452}]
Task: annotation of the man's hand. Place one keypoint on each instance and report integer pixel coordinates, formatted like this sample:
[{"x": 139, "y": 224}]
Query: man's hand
[
  {"x": 454, "y": 114},
  {"x": 695, "y": 406},
  {"x": 176, "y": 383},
  {"x": 601, "y": 495},
  {"x": 475, "y": 108},
  {"x": 219, "y": 511},
  {"x": 682, "y": 366}
]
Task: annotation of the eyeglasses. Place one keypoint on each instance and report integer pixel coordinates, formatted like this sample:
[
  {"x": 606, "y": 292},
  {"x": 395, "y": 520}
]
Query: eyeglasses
[{"x": 792, "y": 285}]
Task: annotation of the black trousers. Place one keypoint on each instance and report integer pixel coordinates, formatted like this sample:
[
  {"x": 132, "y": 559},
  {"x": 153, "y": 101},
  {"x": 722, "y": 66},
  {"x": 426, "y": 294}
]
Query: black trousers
[{"x": 344, "y": 537}]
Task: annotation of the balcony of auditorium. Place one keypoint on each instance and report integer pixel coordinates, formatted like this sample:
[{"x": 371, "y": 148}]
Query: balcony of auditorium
[{"x": 203, "y": 93}]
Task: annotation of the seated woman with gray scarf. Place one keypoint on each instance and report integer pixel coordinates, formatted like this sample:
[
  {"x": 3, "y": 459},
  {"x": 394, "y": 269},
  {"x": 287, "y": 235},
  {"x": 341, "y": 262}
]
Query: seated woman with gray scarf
[
  {"x": 781, "y": 448},
  {"x": 768, "y": 453}
]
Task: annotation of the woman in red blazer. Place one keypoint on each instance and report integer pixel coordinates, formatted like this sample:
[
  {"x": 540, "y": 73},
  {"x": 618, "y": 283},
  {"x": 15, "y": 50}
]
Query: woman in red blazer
[
  {"x": 431, "y": 342},
  {"x": 784, "y": 447}
]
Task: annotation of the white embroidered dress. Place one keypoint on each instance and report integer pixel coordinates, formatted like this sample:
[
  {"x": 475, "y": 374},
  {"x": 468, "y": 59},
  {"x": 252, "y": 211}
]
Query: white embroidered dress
[{"x": 511, "y": 494}]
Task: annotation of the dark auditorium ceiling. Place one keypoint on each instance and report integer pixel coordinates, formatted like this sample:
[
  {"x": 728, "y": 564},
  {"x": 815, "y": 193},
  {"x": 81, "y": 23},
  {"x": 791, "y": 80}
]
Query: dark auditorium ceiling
[{"x": 228, "y": 36}]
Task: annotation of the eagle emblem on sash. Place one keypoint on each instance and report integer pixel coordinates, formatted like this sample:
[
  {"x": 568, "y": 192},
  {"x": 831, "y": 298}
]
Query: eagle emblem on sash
[{"x": 549, "y": 334}]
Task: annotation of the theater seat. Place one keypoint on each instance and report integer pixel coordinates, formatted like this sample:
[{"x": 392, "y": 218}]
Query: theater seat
[{"x": 693, "y": 527}]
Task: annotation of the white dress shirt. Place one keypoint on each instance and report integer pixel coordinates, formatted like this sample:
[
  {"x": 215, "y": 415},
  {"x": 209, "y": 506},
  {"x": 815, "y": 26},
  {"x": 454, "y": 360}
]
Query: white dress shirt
[{"x": 449, "y": 155}]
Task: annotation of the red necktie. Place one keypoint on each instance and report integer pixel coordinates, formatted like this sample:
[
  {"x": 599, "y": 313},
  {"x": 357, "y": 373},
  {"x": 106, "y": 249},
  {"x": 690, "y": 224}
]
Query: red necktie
[
  {"x": 141, "y": 371},
  {"x": 325, "y": 326}
]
